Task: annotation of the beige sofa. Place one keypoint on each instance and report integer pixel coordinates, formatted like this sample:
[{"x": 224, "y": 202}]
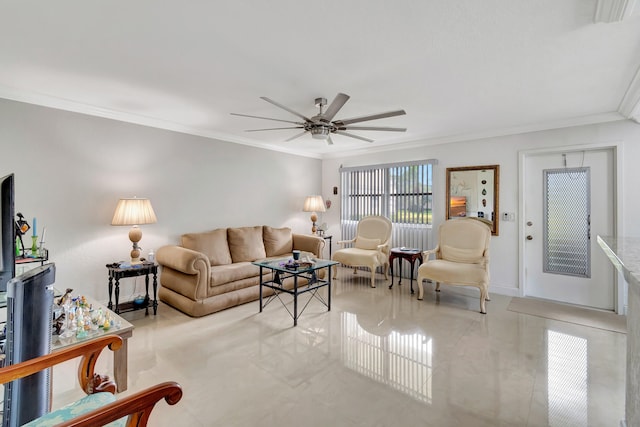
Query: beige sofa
[{"x": 212, "y": 271}]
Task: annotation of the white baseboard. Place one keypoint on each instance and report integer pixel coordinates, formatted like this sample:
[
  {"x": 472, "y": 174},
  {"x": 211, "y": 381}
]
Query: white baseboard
[
  {"x": 473, "y": 292},
  {"x": 504, "y": 290}
]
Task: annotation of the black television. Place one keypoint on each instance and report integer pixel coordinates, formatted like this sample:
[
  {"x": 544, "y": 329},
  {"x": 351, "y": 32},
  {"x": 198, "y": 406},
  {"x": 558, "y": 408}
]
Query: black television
[
  {"x": 29, "y": 324},
  {"x": 7, "y": 232}
]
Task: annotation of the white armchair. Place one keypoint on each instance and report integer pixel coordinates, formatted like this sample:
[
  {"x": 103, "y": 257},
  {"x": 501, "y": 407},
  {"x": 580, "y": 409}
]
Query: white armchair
[
  {"x": 461, "y": 257},
  {"x": 370, "y": 247}
]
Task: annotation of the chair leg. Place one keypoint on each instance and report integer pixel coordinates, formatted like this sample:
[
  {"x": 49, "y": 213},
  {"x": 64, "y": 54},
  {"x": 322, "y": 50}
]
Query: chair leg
[
  {"x": 420, "y": 288},
  {"x": 335, "y": 271},
  {"x": 386, "y": 270},
  {"x": 483, "y": 297},
  {"x": 437, "y": 286}
]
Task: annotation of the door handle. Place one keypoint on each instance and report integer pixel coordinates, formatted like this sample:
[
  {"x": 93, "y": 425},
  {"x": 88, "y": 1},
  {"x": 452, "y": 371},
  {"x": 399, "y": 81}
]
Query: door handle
[{"x": 529, "y": 237}]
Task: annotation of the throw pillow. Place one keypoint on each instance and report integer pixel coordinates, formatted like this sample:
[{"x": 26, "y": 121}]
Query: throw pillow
[
  {"x": 364, "y": 243},
  {"x": 277, "y": 241},
  {"x": 211, "y": 243},
  {"x": 245, "y": 243}
]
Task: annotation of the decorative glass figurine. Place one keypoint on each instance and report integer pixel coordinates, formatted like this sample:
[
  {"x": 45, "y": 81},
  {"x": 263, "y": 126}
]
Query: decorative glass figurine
[{"x": 34, "y": 246}]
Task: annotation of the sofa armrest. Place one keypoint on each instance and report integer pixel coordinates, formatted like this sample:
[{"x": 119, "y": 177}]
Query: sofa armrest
[
  {"x": 184, "y": 271},
  {"x": 308, "y": 243},
  {"x": 184, "y": 260}
]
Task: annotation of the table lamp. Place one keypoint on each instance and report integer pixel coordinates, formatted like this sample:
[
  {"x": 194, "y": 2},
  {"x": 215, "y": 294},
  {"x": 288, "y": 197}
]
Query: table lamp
[
  {"x": 314, "y": 204},
  {"x": 134, "y": 212}
]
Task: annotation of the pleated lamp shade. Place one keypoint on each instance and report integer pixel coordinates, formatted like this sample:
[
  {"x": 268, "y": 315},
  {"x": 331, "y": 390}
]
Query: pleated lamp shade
[{"x": 134, "y": 212}]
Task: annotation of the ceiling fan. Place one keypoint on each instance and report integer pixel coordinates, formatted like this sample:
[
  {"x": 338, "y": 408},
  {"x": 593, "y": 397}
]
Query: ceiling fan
[{"x": 322, "y": 125}]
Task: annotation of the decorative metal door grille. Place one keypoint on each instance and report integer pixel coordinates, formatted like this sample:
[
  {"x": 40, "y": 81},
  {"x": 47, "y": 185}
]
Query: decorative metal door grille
[{"x": 567, "y": 222}]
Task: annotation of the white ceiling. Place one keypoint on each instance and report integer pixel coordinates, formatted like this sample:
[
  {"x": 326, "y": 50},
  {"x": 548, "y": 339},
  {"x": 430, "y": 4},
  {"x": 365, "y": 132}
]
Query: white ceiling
[{"x": 460, "y": 68}]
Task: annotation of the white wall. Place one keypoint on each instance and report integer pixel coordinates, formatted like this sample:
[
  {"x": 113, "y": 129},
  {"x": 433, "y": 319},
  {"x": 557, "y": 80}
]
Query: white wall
[
  {"x": 505, "y": 152},
  {"x": 71, "y": 169}
]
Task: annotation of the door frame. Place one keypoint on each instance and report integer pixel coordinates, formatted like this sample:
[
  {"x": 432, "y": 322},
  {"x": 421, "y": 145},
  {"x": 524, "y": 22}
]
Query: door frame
[{"x": 619, "y": 285}]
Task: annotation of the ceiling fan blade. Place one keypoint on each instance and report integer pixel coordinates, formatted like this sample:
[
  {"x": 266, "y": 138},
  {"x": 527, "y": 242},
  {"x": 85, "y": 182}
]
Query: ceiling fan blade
[
  {"x": 265, "y": 118},
  {"x": 259, "y": 130},
  {"x": 341, "y": 123},
  {"x": 339, "y": 132},
  {"x": 296, "y": 136},
  {"x": 329, "y": 140},
  {"x": 374, "y": 128},
  {"x": 295, "y": 113},
  {"x": 335, "y": 106}
]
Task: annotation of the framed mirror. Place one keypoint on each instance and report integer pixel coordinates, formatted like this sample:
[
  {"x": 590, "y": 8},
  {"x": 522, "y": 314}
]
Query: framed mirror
[{"x": 472, "y": 191}]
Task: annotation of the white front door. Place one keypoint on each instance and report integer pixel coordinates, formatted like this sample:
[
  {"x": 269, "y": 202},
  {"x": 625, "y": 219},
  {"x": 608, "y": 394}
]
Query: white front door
[{"x": 569, "y": 200}]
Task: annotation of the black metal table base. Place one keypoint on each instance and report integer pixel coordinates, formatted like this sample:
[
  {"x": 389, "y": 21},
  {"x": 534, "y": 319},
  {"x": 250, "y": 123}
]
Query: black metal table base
[{"x": 313, "y": 285}]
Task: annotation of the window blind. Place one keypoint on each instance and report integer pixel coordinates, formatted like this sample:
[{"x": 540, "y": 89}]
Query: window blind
[{"x": 401, "y": 192}]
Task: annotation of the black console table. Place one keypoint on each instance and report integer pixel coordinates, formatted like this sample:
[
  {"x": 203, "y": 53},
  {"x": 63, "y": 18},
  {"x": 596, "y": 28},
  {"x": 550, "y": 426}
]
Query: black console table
[{"x": 117, "y": 272}]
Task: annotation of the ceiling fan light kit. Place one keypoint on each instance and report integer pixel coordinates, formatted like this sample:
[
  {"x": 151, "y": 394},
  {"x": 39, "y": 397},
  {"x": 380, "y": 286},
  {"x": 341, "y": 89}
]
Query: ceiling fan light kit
[
  {"x": 320, "y": 132},
  {"x": 322, "y": 125}
]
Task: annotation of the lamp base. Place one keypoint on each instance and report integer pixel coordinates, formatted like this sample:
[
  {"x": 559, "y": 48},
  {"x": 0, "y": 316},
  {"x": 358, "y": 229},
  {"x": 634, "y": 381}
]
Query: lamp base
[
  {"x": 314, "y": 218},
  {"x": 135, "y": 235},
  {"x": 135, "y": 256}
]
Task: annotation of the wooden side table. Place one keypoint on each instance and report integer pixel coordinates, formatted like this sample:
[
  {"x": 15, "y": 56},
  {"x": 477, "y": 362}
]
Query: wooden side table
[
  {"x": 410, "y": 255},
  {"x": 116, "y": 273}
]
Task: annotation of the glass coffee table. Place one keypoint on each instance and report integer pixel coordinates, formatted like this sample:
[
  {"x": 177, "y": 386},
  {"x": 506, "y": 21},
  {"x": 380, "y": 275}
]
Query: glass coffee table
[
  {"x": 282, "y": 271},
  {"x": 120, "y": 357}
]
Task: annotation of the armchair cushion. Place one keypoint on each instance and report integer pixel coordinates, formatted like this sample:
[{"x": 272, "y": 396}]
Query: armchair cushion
[
  {"x": 470, "y": 255},
  {"x": 213, "y": 244},
  {"x": 73, "y": 410},
  {"x": 245, "y": 243},
  {"x": 456, "y": 273},
  {"x": 364, "y": 243},
  {"x": 277, "y": 241}
]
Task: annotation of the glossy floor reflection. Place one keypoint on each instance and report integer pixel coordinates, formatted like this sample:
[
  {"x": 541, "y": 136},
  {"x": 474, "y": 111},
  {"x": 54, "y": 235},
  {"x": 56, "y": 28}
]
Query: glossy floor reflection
[{"x": 379, "y": 358}]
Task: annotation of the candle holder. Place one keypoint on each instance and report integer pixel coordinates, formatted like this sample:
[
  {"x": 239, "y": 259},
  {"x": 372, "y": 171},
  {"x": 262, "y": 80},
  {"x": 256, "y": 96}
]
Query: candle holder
[{"x": 34, "y": 246}]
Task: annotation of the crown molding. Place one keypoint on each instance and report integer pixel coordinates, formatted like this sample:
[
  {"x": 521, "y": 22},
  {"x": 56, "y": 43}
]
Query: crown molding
[
  {"x": 632, "y": 98},
  {"x": 630, "y": 104},
  {"x": 613, "y": 10},
  {"x": 490, "y": 133},
  {"x": 92, "y": 110}
]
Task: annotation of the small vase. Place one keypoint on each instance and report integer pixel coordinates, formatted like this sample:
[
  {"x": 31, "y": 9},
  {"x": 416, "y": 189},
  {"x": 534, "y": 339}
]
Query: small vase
[{"x": 34, "y": 246}]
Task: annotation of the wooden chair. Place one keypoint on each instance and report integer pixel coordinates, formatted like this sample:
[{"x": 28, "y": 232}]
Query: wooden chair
[
  {"x": 461, "y": 257},
  {"x": 133, "y": 410},
  {"x": 370, "y": 249}
]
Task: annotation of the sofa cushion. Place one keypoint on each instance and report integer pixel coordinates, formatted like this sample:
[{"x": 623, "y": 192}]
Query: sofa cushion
[
  {"x": 245, "y": 243},
  {"x": 277, "y": 241},
  {"x": 222, "y": 274},
  {"x": 211, "y": 243},
  {"x": 364, "y": 243}
]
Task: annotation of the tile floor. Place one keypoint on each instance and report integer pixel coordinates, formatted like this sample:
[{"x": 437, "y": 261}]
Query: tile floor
[{"x": 380, "y": 357}]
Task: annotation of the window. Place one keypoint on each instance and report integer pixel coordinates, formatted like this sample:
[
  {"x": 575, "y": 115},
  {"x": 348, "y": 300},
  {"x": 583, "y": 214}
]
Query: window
[{"x": 401, "y": 192}]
